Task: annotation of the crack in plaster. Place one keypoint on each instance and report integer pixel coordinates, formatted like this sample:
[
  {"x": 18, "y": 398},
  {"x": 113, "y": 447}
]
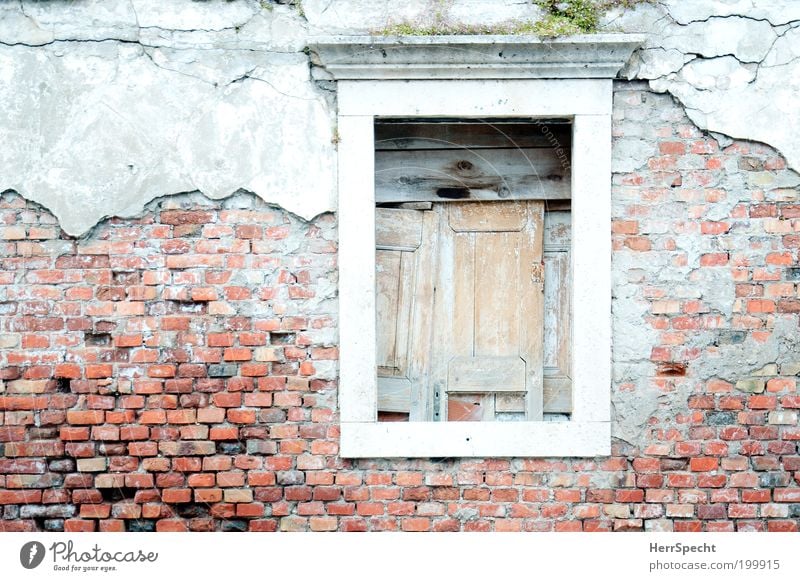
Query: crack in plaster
[{"x": 698, "y": 99}]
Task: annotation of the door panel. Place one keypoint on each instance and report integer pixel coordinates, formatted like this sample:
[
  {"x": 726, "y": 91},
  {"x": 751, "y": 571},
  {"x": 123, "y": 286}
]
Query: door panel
[
  {"x": 489, "y": 308},
  {"x": 405, "y": 254}
]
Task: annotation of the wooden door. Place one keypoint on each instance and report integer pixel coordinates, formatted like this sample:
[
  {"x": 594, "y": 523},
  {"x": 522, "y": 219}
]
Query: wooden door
[{"x": 489, "y": 311}]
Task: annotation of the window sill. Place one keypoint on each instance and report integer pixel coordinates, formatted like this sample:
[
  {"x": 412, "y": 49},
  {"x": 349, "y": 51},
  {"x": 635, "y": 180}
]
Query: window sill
[{"x": 475, "y": 439}]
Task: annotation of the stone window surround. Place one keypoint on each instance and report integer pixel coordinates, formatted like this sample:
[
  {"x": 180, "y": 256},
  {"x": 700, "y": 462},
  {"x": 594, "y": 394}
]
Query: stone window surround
[{"x": 443, "y": 77}]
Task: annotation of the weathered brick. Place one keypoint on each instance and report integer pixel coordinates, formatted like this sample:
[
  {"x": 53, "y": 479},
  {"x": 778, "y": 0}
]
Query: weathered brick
[{"x": 199, "y": 448}]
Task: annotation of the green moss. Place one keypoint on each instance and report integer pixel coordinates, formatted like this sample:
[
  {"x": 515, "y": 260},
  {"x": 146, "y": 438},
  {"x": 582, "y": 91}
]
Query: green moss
[
  {"x": 580, "y": 16},
  {"x": 443, "y": 29},
  {"x": 561, "y": 18}
]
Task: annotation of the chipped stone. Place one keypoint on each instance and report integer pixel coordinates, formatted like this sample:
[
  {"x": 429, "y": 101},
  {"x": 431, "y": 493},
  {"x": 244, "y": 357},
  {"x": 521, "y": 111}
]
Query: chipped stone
[
  {"x": 92, "y": 464},
  {"x": 788, "y": 418},
  {"x": 767, "y": 370},
  {"x": 751, "y": 385},
  {"x": 223, "y": 370},
  {"x": 721, "y": 418},
  {"x": 792, "y": 368}
]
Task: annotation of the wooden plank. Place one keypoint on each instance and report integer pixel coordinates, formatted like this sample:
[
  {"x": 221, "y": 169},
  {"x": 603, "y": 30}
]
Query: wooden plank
[
  {"x": 530, "y": 291},
  {"x": 557, "y": 206},
  {"x": 494, "y": 134},
  {"x": 420, "y": 328},
  {"x": 444, "y": 313},
  {"x": 497, "y": 302},
  {"x": 487, "y": 217},
  {"x": 387, "y": 291},
  {"x": 410, "y": 176},
  {"x": 394, "y": 394},
  {"x": 462, "y": 296},
  {"x": 486, "y": 374},
  {"x": 404, "y": 301},
  {"x": 411, "y": 205},
  {"x": 557, "y": 229},
  {"x": 510, "y": 402},
  {"x": 557, "y": 395},
  {"x": 405, "y": 306},
  {"x": 557, "y": 313},
  {"x": 398, "y": 228}
]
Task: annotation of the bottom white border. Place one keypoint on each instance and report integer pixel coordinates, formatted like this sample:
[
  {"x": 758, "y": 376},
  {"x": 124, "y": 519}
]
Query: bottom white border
[{"x": 474, "y": 439}]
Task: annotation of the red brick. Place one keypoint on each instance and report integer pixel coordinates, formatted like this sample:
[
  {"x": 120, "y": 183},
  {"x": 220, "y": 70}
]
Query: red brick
[
  {"x": 107, "y": 433},
  {"x": 241, "y": 416},
  {"x": 415, "y": 524},
  {"x": 71, "y": 434},
  {"x": 237, "y": 354},
  {"x": 714, "y": 259},
  {"x": 171, "y": 525},
  {"x": 161, "y": 371},
  {"x": 224, "y": 433},
  {"x": 672, "y": 147},
  {"x": 79, "y": 526},
  {"x": 153, "y": 417},
  {"x": 99, "y": 371},
  {"x": 95, "y": 510},
  {"x": 67, "y": 370},
  {"x": 786, "y": 495},
  {"x": 34, "y": 448},
  {"x": 20, "y": 496}
]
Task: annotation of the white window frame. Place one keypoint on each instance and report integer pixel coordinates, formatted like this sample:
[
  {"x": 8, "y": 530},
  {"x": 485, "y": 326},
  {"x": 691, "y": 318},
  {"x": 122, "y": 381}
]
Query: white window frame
[{"x": 476, "y": 77}]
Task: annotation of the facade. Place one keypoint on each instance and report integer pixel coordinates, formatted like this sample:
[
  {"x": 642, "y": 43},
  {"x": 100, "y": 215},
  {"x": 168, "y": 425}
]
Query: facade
[{"x": 189, "y": 264}]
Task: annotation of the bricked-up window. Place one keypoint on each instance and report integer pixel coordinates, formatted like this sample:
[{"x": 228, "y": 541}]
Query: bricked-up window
[
  {"x": 494, "y": 79},
  {"x": 472, "y": 269}
]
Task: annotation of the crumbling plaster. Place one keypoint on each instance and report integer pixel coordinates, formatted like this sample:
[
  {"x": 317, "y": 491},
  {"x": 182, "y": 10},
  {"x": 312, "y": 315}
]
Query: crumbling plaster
[{"x": 109, "y": 104}]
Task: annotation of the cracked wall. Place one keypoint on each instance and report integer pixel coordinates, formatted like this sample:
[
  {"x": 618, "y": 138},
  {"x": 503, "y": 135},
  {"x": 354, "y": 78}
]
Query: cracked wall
[
  {"x": 731, "y": 64},
  {"x": 119, "y": 108},
  {"x": 119, "y": 103},
  {"x": 177, "y": 370},
  {"x": 124, "y": 101}
]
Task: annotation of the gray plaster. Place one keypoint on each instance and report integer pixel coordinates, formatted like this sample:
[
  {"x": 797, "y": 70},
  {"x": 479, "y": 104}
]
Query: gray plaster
[
  {"x": 109, "y": 103},
  {"x": 103, "y": 121},
  {"x": 732, "y": 64}
]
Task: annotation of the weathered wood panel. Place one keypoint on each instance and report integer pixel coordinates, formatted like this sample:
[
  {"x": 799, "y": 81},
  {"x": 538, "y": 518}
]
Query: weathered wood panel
[
  {"x": 489, "y": 134},
  {"x": 387, "y": 298},
  {"x": 494, "y": 338},
  {"x": 477, "y": 218},
  {"x": 557, "y": 313},
  {"x": 490, "y": 286},
  {"x": 486, "y": 374},
  {"x": 405, "y": 241},
  {"x": 470, "y": 174},
  {"x": 398, "y": 228},
  {"x": 394, "y": 394},
  {"x": 530, "y": 294}
]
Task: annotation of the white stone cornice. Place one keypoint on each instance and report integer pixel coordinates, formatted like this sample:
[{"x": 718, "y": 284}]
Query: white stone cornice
[{"x": 474, "y": 57}]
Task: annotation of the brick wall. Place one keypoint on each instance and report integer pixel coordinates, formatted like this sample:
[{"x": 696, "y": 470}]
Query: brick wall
[{"x": 177, "y": 371}]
